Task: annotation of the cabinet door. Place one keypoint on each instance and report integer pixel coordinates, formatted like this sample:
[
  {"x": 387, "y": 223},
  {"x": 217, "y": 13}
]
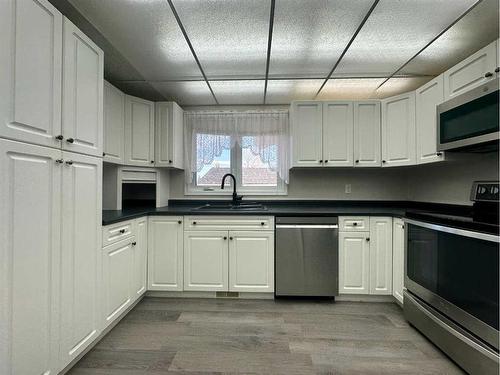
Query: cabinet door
[
  {"x": 30, "y": 77},
  {"x": 169, "y": 122},
  {"x": 206, "y": 260},
  {"x": 116, "y": 278},
  {"x": 354, "y": 262},
  {"x": 81, "y": 253},
  {"x": 140, "y": 263},
  {"x": 251, "y": 261},
  {"x": 380, "y": 255},
  {"x": 398, "y": 264},
  {"x": 165, "y": 253},
  {"x": 398, "y": 130},
  {"x": 114, "y": 124},
  {"x": 427, "y": 98},
  {"x": 338, "y": 123},
  {"x": 29, "y": 258},
  {"x": 83, "y": 79},
  {"x": 139, "y": 131},
  {"x": 471, "y": 72},
  {"x": 306, "y": 130},
  {"x": 367, "y": 134}
]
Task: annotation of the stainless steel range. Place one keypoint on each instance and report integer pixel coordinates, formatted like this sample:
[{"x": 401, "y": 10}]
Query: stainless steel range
[{"x": 452, "y": 280}]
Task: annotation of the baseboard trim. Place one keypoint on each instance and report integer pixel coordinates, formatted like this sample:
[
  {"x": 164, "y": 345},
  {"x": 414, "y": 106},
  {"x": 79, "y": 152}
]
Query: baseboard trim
[
  {"x": 364, "y": 298},
  {"x": 230, "y": 295},
  {"x": 101, "y": 335}
]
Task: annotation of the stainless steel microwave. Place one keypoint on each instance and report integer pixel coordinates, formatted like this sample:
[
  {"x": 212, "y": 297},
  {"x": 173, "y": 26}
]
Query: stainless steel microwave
[{"x": 469, "y": 122}]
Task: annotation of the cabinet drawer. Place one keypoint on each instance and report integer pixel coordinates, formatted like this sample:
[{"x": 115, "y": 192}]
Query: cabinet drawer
[
  {"x": 354, "y": 223},
  {"x": 228, "y": 223},
  {"x": 117, "y": 232}
]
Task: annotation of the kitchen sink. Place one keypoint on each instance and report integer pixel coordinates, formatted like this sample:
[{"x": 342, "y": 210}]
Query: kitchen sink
[{"x": 251, "y": 206}]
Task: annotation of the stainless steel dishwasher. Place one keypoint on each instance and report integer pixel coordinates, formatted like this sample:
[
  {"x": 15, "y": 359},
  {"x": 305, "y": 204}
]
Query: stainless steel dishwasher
[{"x": 307, "y": 256}]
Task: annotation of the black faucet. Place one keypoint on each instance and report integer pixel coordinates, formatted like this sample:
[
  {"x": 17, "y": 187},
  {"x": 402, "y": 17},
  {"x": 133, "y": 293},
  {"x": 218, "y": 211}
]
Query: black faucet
[{"x": 236, "y": 198}]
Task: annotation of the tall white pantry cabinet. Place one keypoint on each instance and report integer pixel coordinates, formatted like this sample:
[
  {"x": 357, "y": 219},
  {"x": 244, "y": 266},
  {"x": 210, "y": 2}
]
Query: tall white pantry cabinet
[{"x": 50, "y": 195}]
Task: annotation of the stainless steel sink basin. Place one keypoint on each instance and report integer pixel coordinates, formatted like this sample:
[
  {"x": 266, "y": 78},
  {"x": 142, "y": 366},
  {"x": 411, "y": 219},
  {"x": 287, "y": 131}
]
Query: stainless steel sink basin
[{"x": 251, "y": 206}]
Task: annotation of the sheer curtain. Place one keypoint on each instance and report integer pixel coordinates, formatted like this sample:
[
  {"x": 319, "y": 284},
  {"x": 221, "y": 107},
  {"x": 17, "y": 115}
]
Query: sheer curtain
[{"x": 208, "y": 134}]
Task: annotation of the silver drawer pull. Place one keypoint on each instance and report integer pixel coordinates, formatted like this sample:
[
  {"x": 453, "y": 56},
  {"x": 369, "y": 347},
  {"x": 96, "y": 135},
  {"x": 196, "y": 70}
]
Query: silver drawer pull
[{"x": 308, "y": 226}]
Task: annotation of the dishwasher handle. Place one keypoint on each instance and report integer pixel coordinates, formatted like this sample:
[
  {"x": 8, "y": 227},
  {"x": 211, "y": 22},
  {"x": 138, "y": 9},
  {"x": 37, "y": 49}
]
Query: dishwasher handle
[{"x": 307, "y": 226}]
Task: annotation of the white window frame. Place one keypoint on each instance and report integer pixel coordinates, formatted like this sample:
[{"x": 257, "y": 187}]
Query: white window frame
[{"x": 190, "y": 188}]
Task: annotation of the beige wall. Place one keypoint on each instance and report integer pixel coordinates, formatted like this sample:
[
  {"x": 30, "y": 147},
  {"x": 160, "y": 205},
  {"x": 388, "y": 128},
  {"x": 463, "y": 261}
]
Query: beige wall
[
  {"x": 447, "y": 182},
  {"x": 450, "y": 182}
]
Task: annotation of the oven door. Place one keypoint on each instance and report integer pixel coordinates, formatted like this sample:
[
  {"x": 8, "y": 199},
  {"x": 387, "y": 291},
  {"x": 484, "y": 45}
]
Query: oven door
[
  {"x": 470, "y": 120},
  {"x": 456, "y": 272}
]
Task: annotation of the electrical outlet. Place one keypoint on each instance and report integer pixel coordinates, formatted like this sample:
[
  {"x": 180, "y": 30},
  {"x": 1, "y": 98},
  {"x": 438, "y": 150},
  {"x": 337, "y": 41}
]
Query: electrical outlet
[{"x": 348, "y": 188}]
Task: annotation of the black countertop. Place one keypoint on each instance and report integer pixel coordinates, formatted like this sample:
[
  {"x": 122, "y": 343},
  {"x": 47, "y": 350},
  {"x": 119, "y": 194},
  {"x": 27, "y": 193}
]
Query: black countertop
[{"x": 454, "y": 215}]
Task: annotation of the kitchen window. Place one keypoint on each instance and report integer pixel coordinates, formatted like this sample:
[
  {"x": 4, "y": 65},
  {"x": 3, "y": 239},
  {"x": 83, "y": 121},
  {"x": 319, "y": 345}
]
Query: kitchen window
[{"x": 253, "y": 146}]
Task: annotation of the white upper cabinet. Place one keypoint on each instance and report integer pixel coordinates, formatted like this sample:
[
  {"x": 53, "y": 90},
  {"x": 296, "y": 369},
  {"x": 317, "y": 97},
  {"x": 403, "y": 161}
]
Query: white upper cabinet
[
  {"x": 380, "y": 255},
  {"x": 306, "y": 119},
  {"x": 139, "y": 131},
  {"x": 428, "y": 97},
  {"x": 114, "y": 124},
  {"x": 30, "y": 213},
  {"x": 398, "y": 264},
  {"x": 367, "y": 134},
  {"x": 338, "y": 124},
  {"x": 251, "y": 261},
  {"x": 206, "y": 261},
  {"x": 471, "y": 72},
  {"x": 81, "y": 253},
  {"x": 398, "y": 130},
  {"x": 30, "y": 74},
  {"x": 169, "y": 130},
  {"x": 165, "y": 253},
  {"x": 83, "y": 80}
]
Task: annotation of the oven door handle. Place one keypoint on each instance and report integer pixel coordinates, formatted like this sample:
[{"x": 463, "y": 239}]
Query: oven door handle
[{"x": 457, "y": 231}]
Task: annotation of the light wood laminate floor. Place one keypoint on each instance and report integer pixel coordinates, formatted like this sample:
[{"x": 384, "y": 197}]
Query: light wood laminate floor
[{"x": 200, "y": 336}]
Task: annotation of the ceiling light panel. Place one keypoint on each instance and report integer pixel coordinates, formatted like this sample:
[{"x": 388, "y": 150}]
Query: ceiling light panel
[
  {"x": 229, "y": 37},
  {"x": 239, "y": 92},
  {"x": 147, "y": 35},
  {"x": 400, "y": 85},
  {"x": 285, "y": 91},
  {"x": 477, "y": 29},
  {"x": 186, "y": 92},
  {"x": 347, "y": 89},
  {"x": 396, "y": 31},
  {"x": 309, "y": 36}
]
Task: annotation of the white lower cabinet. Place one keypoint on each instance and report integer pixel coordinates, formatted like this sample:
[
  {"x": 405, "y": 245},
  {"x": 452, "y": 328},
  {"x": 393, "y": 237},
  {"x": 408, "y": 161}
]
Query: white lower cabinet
[
  {"x": 398, "y": 264},
  {"x": 117, "y": 267},
  {"x": 354, "y": 262},
  {"x": 365, "y": 258},
  {"x": 380, "y": 255},
  {"x": 30, "y": 213},
  {"x": 81, "y": 253},
  {"x": 140, "y": 258},
  {"x": 206, "y": 260},
  {"x": 251, "y": 261},
  {"x": 165, "y": 253}
]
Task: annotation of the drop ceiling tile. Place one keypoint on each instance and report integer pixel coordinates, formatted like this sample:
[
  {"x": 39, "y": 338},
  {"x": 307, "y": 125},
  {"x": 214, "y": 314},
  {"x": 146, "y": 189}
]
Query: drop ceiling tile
[
  {"x": 477, "y": 29},
  {"x": 400, "y": 85},
  {"x": 229, "y": 37},
  {"x": 351, "y": 88},
  {"x": 397, "y": 30},
  {"x": 147, "y": 35},
  {"x": 239, "y": 92},
  {"x": 186, "y": 92},
  {"x": 285, "y": 91},
  {"x": 309, "y": 36}
]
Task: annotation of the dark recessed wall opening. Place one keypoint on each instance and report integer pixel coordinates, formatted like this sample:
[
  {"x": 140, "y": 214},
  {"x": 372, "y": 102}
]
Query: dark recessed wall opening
[{"x": 138, "y": 195}]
